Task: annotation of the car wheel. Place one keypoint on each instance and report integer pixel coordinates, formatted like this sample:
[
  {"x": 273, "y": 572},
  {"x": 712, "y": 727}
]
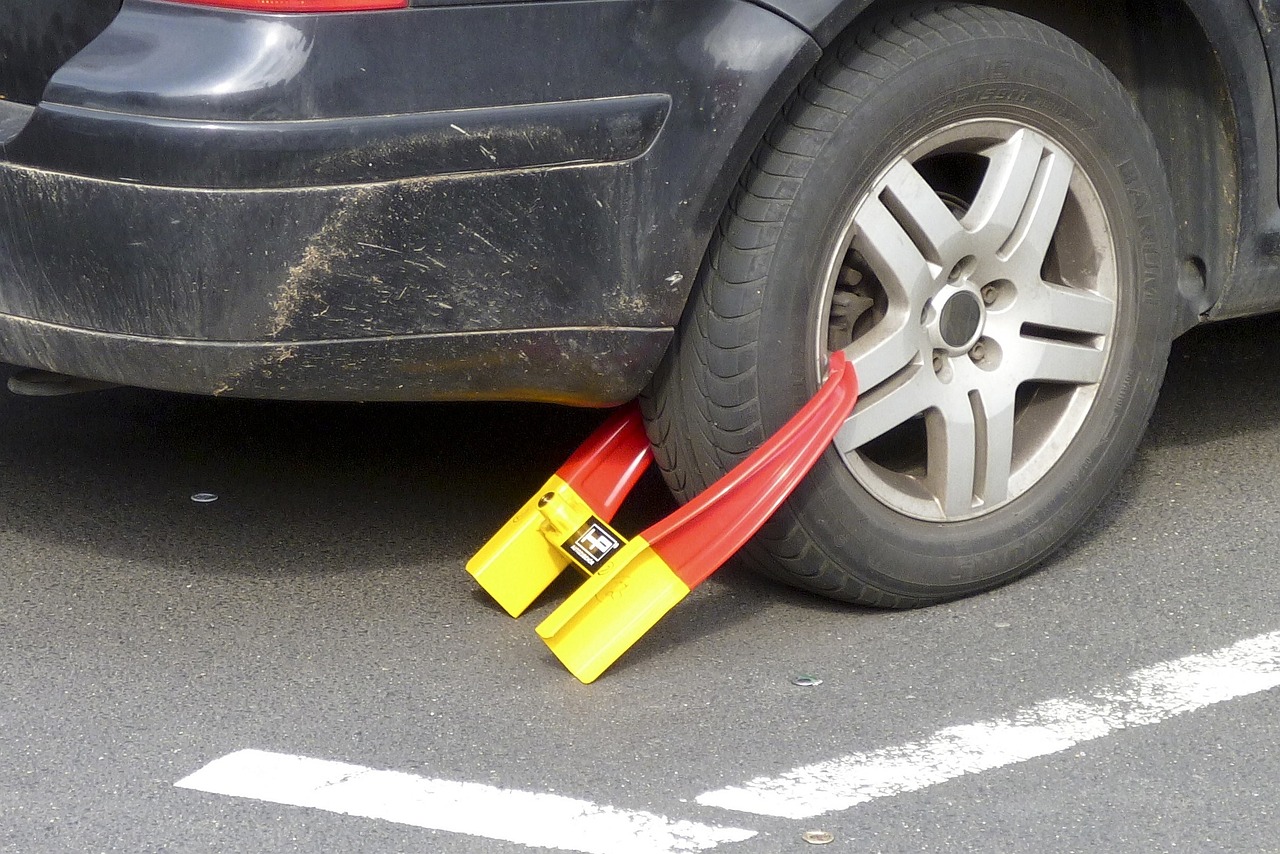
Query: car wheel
[{"x": 969, "y": 205}]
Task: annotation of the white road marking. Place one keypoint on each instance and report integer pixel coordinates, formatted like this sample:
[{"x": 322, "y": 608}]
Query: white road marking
[
  {"x": 1149, "y": 696},
  {"x": 529, "y": 818}
]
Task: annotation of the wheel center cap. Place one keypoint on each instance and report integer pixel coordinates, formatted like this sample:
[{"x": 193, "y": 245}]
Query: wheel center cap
[
  {"x": 954, "y": 318},
  {"x": 960, "y": 319}
]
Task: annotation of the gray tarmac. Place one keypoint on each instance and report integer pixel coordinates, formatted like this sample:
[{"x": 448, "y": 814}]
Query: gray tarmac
[{"x": 319, "y": 607}]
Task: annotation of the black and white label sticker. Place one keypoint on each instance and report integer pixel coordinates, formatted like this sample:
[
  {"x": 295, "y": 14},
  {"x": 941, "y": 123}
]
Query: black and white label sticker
[{"x": 593, "y": 544}]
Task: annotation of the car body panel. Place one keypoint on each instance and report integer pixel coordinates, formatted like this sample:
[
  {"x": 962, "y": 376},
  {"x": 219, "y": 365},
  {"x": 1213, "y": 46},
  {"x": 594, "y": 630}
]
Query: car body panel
[{"x": 38, "y": 36}]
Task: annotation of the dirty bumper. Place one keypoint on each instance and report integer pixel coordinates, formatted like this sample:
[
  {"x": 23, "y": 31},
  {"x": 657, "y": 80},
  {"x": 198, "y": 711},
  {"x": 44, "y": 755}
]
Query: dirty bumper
[
  {"x": 178, "y": 215},
  {"x": 398, "y": 290}
]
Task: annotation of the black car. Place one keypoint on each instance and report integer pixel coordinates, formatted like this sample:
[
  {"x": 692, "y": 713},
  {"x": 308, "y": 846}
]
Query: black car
[{"x": 1003, "y": 213}]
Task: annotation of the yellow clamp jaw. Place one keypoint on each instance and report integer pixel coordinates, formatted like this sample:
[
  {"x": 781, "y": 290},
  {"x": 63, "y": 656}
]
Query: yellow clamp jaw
[
  {"x": 604, "y": 617},
  {"x": 572, "y": 508},
  {"x": 525, "y": 556}
]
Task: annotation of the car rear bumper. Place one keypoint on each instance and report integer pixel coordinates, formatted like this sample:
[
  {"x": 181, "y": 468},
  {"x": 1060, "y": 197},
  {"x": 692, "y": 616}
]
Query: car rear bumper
[
  {"x": 381, "y": 291},
  {"x": 276, "y": 205}
]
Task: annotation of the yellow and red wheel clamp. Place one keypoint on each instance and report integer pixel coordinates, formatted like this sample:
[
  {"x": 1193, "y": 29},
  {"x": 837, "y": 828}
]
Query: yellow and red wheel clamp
[{"x": 632, "y": 583}]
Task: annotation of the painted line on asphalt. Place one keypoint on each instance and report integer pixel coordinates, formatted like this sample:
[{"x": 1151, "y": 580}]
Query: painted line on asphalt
[
  {"x": 1148, "y": 696},
  {"x": 528, "y": 818}
]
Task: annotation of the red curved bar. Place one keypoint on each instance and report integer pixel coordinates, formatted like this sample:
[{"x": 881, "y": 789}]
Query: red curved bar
[
  {"x": 607, "y": 465},
  {"x": 699, "y": 537}
]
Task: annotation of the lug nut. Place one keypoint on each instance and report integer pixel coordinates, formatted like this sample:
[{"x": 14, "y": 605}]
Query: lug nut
[
  {"x": 937, "y": 364},
  {"x": 978, "y": 353},
  {"x": 989, "y": 294}
]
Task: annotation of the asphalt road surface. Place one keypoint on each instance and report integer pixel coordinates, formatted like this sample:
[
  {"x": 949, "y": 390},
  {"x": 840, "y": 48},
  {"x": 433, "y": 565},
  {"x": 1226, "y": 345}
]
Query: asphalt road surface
[{"x": 317, "y": 612}]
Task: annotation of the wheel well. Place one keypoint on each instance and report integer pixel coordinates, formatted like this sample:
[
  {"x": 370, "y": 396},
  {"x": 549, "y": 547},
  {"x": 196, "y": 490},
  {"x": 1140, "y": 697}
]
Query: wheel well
[{"x": 1158, "y": 51}]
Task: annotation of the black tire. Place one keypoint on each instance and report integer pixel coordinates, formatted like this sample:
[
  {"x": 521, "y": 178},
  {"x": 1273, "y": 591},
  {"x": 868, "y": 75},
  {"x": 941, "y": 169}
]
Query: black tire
[{"x": 965, "y": 97}]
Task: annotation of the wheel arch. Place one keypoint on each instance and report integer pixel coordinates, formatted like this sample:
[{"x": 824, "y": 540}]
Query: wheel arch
[{"x": 1216, "y": 131}]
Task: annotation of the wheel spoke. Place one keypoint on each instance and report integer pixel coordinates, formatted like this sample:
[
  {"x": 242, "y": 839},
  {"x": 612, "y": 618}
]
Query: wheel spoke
[
  {"x": 904, "y": 232},
  {"x": 881, "y": 410},
  {"x": 993, "y": 416},
  {"x": 1068, "y": 309},
  {"x": 953, "y": 456},
  {"x": 882, "y": 353},
  {"x": 922, "y": 214},
  {"x": 970, "y": 447},
  {"x": 1058, "y": 362},
  {"x": 1017, "y": 208},
  {"x": 1029, "y": 243}
]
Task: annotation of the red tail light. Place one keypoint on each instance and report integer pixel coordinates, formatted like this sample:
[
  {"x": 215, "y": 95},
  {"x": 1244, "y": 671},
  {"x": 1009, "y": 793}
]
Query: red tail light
[{"x": 301, "y": 5}]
